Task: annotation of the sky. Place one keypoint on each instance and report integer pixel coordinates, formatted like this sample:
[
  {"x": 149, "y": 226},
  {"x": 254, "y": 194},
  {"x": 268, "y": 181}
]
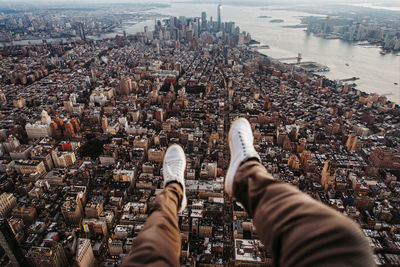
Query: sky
[
  {"x": 223, "y": 1},
  {"x": 371, "y": 3}
]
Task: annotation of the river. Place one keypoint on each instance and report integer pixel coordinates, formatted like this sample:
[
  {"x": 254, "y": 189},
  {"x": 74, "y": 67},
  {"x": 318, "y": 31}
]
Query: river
[{"x": 378, "y": 73}]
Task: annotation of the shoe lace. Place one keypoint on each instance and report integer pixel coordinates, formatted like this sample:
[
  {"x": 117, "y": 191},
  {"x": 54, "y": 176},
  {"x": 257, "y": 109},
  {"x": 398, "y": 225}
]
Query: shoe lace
[
  {"x": 242, "y": 143},
  {"x": 175, "y": 167}
]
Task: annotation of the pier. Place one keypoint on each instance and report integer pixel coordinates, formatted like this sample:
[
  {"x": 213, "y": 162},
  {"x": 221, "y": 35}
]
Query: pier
[
  {"x": 298, "y": 58},
  {"x": 309, "y": 66},
  {"x": 349, "y": 79}
]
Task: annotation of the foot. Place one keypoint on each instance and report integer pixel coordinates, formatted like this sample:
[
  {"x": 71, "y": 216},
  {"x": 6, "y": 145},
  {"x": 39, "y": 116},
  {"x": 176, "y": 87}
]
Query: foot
[
  {"x": 242, "y": 149},
  {"x": 174, "y": 170}
]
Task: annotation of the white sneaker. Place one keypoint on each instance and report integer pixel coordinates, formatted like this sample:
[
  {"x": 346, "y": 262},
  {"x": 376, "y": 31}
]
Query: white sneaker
[
  {"x": 241, "y": 145},
  {"x": 174, "y": 169}
]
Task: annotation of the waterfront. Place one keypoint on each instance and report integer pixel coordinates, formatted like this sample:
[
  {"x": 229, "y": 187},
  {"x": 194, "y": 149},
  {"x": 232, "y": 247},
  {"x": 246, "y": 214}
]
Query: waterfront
[
  {"x": 130, "y": 27},
  {"x": 377, "y": 73}
]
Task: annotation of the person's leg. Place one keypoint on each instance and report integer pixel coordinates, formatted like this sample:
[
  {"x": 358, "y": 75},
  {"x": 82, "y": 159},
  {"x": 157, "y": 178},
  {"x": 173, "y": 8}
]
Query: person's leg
[
  {"x": 296, "y": 229},
  {"x": 159, "y": 242}
]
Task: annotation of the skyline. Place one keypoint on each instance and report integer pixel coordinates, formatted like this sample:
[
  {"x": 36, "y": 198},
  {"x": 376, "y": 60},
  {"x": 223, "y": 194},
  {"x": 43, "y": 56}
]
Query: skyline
[
  {"x": 381, "y": 6},
  {"x": 262, "y": 2}
]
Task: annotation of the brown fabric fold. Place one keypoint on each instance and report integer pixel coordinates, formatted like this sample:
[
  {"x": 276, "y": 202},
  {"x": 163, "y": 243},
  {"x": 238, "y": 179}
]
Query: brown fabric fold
[
  {"x": 296, "y": 229},
  {"x": 159, "y": 242}
]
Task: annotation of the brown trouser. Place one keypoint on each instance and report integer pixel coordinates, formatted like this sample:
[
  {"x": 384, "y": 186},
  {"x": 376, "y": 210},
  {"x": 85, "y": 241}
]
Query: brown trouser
[
  {"x": 296, "y": 229},
  {"x": 159, "y": 242}
]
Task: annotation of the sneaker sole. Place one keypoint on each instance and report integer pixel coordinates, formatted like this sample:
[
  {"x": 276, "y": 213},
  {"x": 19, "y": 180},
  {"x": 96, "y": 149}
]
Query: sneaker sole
[
  {"x": 184, "y": 198},
  {"x": 229, "y": 177}
]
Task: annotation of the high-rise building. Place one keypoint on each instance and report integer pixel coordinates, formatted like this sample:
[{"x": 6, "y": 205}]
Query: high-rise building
[
  {"x": 104, "y": 124},
  {"x": 10, "y": 244},
  {"x": 327, "y": 25},
  {"x": 69, "y": 130},
  {"x": 115, "y": 247},
  {"x": 11, "y": 144},
  {"x": 81, "y": 31},
  {"x": 72, "y": 211},
  {"x": 30, "y": 166},
  {"x": 37, "y": 130},
  {"x": 294, "y": 162},
  {"x": 301, "y": 146},
  {"x": 7, "y": 203},
  {"x": 52, "y": 255},
  {"x": 159, "y": 114},
  {"x": 45, "y": 117},
  {"x": 384, "y": 157},
  {"x": 75, "y": 124},
  {"x": 351, "y": 143},
  {"x": 68, "y": 106},
  {"x": 204, "y": 21},
  {"x": 64, "y": 159},
  {"x": 27, "y": 213},
  {"x": 19, "y": 102},
  {"x": 84, "y": 255},
  {"x": 125, "y": 86},
  {"x": 196, "y": 27},
  {"x": 230, "y": 27},
  {"x": 219, "y": 16},
  {"x": 328, "y": 176}
]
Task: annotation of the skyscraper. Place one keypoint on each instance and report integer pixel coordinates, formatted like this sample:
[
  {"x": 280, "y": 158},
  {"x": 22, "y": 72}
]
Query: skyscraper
[
  {"x": 125, "y": 86},
  {"x": 81, "y": 31},
  {"x": 203, "y": 21},
  {"x": 72, "y": 211},
  {"x": 10, "y": 244},
  {"x": 51, "y": 254},
  {"x": 7, "y": 203},
  {"x": 328, "y": 175},
  {"x": 84, "y": 256},
  {"x": 219, "y": 16}
]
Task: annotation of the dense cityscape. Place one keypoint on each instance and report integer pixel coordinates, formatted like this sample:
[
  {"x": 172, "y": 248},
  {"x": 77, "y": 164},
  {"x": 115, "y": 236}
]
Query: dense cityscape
[
  {"x": 56, "y": 22},
  {"x": 85, "y": 124},
  {"x": 377, "y": 30}
]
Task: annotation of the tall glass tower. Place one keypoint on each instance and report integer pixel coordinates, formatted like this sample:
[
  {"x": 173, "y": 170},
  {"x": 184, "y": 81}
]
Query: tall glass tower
[
  {"x": 204, "y": 21},
  {"x": 219, "y": 16}
]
